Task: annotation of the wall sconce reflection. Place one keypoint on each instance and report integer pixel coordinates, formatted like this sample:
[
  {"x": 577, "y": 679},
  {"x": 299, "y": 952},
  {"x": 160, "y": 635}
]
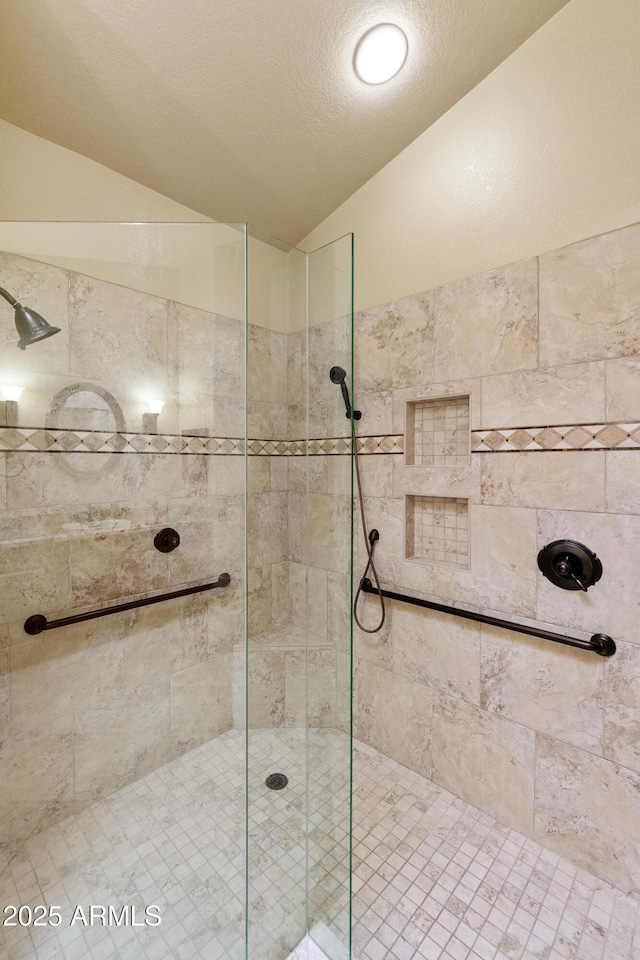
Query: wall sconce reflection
[
  {"x": 150, "y": 420},
  {"x": 10, "y": 397}
]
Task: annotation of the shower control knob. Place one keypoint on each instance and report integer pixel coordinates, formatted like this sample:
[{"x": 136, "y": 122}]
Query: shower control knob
[
  {"x": 570, "y": 565},
  {"x": 166, "y": 540}
]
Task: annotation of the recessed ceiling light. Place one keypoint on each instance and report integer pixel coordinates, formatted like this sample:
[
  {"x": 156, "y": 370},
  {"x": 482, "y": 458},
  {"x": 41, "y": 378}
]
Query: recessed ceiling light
[{"x": 380, "y": 53}]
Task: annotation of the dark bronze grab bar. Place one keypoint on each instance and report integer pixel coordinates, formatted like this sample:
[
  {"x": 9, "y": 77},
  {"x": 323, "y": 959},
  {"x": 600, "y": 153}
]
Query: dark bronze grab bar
[
  {"x": 599, "y": 643},
  {"x": 37, "y": 623}
]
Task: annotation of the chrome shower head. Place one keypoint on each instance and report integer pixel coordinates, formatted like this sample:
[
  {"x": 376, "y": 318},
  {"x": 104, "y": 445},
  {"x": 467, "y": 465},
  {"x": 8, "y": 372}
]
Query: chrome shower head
[{"x": 29, "y": 324}]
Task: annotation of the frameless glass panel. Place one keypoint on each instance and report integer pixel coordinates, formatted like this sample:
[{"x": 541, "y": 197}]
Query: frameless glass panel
[
  {"x": 122, "y": 775},
  {"x": 277, "y": 619},
  {"x": 329, "y": 520}
]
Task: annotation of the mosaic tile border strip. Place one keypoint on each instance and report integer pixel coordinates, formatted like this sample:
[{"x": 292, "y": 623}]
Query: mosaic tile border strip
[
  {"x": 39, "y": 440},
  {"x": 593, "y": 436}
]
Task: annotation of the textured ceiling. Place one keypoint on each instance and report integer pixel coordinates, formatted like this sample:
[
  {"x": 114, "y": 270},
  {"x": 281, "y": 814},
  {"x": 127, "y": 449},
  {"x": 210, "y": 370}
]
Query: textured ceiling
[{"x": 245, "y": 109}]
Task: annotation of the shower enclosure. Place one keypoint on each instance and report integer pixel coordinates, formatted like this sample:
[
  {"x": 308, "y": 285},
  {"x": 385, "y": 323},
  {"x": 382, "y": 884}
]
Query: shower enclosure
[{"x": 175, "y": 576}]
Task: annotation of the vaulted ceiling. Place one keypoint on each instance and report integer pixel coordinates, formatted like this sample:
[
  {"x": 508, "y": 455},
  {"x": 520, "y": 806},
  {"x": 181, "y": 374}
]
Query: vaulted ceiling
[{"x": 245, "y": 109}]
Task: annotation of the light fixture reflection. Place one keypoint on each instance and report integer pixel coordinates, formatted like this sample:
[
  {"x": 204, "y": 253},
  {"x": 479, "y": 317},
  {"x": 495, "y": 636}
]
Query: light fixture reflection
[
  {"x": 11, "y": 393},
  {"x": 380, "y": 53},
  {"x": 155, "y": 405}
]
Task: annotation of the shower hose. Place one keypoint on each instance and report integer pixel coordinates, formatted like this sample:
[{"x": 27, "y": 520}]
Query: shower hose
[{"x": 370, "y": 541}]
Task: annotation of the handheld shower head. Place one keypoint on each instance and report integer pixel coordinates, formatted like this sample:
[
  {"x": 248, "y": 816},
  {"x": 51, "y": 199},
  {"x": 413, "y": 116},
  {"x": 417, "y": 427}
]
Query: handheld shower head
[{"x": 338, "y": 375}]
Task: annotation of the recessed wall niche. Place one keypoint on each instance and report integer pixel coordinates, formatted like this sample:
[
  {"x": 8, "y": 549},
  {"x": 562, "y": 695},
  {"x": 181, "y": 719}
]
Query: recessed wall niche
[
  {"x": 437, "y": 530},
  {"x": 437, "y": 431}
]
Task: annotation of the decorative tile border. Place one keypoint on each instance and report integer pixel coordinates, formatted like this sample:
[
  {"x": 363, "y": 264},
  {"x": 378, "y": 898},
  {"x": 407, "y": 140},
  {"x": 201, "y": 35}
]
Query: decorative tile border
[
  {"x": 594, "y": 436},
  {"x": 24, "y": 439},
  {"x": 91, "y": 441}
]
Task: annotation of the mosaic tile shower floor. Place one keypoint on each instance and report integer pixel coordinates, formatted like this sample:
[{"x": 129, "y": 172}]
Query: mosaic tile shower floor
[
  {"x": 434, "y": 879},
  {"x": 175, "y": 838}
]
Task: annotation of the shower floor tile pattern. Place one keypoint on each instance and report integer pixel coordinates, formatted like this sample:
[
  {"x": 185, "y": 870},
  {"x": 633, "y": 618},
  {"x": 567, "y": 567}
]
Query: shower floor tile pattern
[
  {"x": 176, "y": 838},
  {"x": 434, "y": 878},
  {"x": 437, "y": 879}
]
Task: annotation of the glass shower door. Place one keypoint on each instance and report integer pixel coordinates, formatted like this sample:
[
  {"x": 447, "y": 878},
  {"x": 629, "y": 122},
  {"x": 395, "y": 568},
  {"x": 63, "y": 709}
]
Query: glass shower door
[
  {"x": 298, "y": 680},
  {"x": 122, "y": 778}
]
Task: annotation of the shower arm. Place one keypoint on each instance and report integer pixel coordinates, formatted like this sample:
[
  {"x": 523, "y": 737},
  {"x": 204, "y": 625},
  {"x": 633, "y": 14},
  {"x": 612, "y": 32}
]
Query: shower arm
[{"x": 7, "y": 296}]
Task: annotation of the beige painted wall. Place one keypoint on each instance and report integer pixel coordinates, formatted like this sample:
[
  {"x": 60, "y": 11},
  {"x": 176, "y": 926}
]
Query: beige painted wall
[
  {"x": 544, "y": 152},
  {"x": 41, "y": 181}
]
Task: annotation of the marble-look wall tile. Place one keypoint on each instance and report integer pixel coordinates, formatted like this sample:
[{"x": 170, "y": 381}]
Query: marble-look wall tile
[
  {"x": 259, "y": 600},
  {"x": 526, "y": 398},
  {"x": 394, "y": 716},
  {"x": 376, "y": 474},
  {"x": 338, "y": 472},
  {"x": 322, "y": 689},
  {"x": 191, "y": 334},
  {"x": 485, "y": 760},
  {"x": 558, "y": 479},
  {"x": 587, "y": 811},
  {"x": 487, "y": 324},
  {"x": 374, "y": 647},
  {"x": 39, "y": 582},
  {"x": 338, "y": 610},
  {"x": 226, "y": 475},
  {"x": 267, "y": 366},
  {"x": 590, "y": 299},
  {"x": 295, "y": 688},
  {"x": 111, "y": 551},
  {"x": 119, "y": 740},
  {"x": 376, "y": 407},
  {"x": 623, "y": 481},
  {"x": 266, "y": 688},
  {"x": 5, "y": 697},
  {"x": 503, "y": 573},
  {"x": 329, "y": 532},
  {"x": 265, "y": 421},
  {"x": 438, "y": 651},
  {"x": 57, "y": 675},
  {"x": 200, "y": 703},
  {"x": 622, "y": 706},
  {"x": 317, "y": 604},
  {"x": 611, "y": 605},
  {"x": 623, "y": 389},
  {"x": 266, "y": 528},
  {"x": 228, "y": 362},
  {"x": 460, "y": 481},
  {"x": 43, "y": 478},
  {"x": 258, "y": 474},
  {"x": 105, "y": 344},
  {"x": 394, "y": 344},
  {"x": 226, "y": 615},
  {"x": 165, "y": 638},
  {"x": 344, "y": 692},
  {"x": 280, "y": 593},
  {"x": 544, "y": 686},
  {"x": 211, "y": 537},
  {"x": 37, "y": 777}
]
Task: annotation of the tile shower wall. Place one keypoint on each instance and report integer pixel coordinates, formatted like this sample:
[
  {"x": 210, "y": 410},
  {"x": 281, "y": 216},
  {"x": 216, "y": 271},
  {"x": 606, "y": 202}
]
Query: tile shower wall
[
  {"x": 543, "y": 737},
  {"x": 88, "y": 708}
]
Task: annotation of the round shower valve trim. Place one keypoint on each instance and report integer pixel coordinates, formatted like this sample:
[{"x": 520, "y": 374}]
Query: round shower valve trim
[{"x": 570, "y": 565}]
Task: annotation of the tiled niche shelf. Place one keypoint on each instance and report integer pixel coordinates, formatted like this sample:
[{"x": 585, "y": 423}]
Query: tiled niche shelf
[
  {"x": 437, "y": 432},
  {"x": 437, "y": 530}
]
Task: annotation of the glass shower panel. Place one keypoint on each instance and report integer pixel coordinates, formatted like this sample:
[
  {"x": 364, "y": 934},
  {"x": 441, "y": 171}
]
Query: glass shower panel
[
  {"x": 329, "y": 522},
  {"x": 277, "y": 621},
  {"x": 122, "y": 775}
]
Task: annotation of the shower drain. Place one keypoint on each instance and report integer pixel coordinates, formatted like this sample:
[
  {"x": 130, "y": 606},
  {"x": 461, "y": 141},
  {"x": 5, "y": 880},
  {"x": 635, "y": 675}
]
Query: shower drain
[{"x": 276, "y": 781}]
